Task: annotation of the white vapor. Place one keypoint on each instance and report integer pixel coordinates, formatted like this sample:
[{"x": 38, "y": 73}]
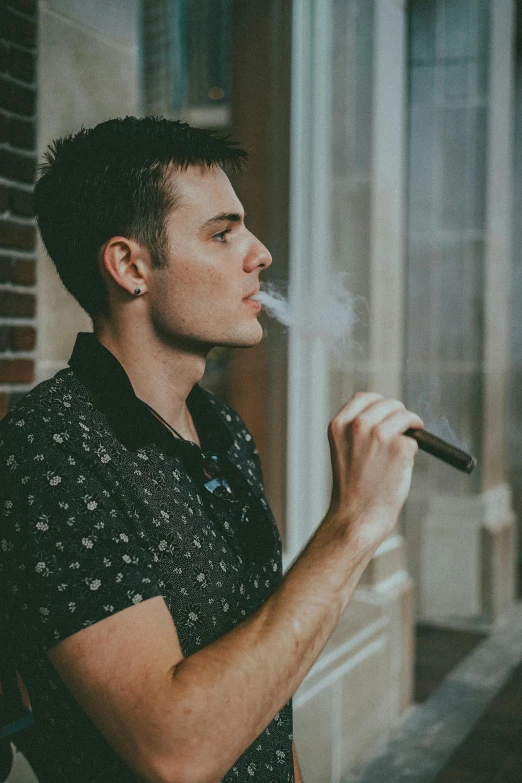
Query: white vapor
[{"x": 330, "y": 315}]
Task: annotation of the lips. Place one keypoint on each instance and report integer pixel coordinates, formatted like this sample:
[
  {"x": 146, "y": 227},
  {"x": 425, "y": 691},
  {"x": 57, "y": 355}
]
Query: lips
[{"x": 252, "y": 293}]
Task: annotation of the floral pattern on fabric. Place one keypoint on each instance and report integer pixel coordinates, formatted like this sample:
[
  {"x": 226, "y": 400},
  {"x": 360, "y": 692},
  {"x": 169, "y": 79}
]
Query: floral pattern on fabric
[{"x": 90, "y": 527}]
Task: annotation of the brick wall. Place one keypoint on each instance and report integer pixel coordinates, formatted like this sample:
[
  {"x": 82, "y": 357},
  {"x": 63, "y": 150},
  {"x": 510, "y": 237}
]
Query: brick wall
[{"x": 18, "y": 40}]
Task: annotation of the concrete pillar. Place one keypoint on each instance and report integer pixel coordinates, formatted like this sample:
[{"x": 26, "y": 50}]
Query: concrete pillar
[
  {"x": 468, "y": 543},
  {"x": 88, "y": 72}
]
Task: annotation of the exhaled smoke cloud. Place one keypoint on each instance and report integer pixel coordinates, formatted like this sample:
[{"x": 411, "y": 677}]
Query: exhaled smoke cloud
[
  {"x": 274, "y": 300},
  {"x": 330, "y": 314},
  {"x": 425, "y": 405}
]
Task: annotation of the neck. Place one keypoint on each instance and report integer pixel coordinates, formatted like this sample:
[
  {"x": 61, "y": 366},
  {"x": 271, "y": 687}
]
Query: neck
[{"x": 161, "y": 375}]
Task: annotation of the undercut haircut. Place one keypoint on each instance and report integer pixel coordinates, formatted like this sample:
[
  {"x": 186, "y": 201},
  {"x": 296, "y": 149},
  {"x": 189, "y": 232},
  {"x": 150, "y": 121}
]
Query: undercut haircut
[{"x": 115, "y": 180}]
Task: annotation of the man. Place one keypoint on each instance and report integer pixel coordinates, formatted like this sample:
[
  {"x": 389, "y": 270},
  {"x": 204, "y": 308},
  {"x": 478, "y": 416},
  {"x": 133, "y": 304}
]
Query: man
[{"x": 152, "y": 625}]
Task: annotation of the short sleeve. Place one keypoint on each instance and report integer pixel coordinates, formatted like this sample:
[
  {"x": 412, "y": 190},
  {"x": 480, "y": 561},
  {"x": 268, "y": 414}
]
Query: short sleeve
[{"x": 72, "y": 553}]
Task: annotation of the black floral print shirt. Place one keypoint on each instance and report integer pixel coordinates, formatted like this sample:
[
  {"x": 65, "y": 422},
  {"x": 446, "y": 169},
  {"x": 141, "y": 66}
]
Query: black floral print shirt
[{"x": 103, "y": 507}]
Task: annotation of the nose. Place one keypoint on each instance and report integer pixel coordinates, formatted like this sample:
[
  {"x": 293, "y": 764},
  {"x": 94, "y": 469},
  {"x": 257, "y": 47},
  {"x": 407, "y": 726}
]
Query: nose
[{"x": 258, "y": 255}]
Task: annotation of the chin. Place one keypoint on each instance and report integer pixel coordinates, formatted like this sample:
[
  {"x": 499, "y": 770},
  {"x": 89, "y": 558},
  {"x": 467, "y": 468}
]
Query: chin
[{"x": 245, "y": 338}]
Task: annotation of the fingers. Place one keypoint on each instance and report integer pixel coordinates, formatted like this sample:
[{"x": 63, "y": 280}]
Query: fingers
[
  {"x": 369, "y": 410},
  {"x": 378, "y": 411},
  {"x": 356, "y": 405},
  {"x": 397, "y": 423}
]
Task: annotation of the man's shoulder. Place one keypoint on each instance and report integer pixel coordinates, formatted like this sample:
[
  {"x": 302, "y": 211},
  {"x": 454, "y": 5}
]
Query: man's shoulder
[
  {"x": 52, "y": 405},
  {"x": 230, "y": 417}
]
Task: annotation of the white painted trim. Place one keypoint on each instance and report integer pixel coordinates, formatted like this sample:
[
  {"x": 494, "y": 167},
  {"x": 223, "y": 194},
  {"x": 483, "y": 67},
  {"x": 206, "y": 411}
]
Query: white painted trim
[
  {"x": 374, "y": 647},
  {"x": 354, "y": 641},
  {"x": 394, "y": 541},
  {"x": 499, "y": 237},
  {"x": 387, "y": 226},
  {"x": 387, "y": 587},
  {"x": 308, "y": 462}
]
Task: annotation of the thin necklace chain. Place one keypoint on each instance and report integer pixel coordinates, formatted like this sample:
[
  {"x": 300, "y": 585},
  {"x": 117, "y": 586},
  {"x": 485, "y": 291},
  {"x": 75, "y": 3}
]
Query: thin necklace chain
[{"x": 160, "y": 417}]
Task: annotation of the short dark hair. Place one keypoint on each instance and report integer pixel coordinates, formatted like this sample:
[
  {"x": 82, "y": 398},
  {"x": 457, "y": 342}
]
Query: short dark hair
[{"x": 112, "y": 180}]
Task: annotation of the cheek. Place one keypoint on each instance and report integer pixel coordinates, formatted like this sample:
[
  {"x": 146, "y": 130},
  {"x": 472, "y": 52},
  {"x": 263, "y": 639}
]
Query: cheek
[
  {"x": 214, "y": 286},
  {"x": 195, "y": 284},
  {"x": 197, "y": 297}
]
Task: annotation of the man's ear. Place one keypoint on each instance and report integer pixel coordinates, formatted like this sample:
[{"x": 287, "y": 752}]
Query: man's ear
[{"x": 125, "y": 262}]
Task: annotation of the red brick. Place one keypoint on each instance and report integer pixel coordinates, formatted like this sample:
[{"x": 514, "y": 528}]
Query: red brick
[
  {"x": 15, "y": 305},
  {"x": 18, "y": 235},
  {"x": 15, "y": 98},
  {"x": 4, "y": 197},
  {"x": 21, "y": 64},
  {"x": 17, "y": 29},
  {"x": 24, "y": 6},
  {"x": 18, "y": 167},
  {"x": 5, "y": 269},
  {"x": 24, "y": 271},
  {"x": 22, "y": 338},
  {"x": 21, "y": 133},
  {"x": 4, "y": 404},
  {"x": 16, "y": 370},
  {"x": 21, "y": 202}
]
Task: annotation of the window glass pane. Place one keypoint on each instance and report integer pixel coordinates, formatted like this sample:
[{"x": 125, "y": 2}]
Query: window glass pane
[
  {"x": 208, "y": 49},
  {"x": 457, "y": 42},
  {"x": 423, "y": 84},
  {"x": 446, "y": 220},
  {"x": 186, "y": 59},
  {"x": 420, "y": 156},
  {"x": 453, "y": 166},
  {"x": 422, "y": 31}
]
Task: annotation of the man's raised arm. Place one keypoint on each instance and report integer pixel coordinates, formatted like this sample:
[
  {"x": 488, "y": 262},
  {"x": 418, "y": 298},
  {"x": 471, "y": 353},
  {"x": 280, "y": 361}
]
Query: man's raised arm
[{"x": 187, "y": 720}]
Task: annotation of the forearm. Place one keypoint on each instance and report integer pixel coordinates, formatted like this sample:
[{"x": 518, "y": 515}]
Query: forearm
[
  {"x": 187, "y": 720},
  {"x": 229, "y": 691}
]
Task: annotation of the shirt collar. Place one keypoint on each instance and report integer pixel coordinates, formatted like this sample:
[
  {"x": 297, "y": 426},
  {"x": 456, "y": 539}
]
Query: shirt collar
[{"x": 133, "y": 423}]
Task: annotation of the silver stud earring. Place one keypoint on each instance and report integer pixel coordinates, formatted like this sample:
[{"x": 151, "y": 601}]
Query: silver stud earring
[{"x": 137, "y": 291}]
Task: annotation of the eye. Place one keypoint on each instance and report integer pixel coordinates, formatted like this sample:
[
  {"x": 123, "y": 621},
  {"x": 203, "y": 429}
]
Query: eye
[{"x": 221, "y": 236}]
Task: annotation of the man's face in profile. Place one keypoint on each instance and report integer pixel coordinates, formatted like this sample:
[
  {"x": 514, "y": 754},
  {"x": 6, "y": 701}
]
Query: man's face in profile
[{"x": 213, "y": 265}]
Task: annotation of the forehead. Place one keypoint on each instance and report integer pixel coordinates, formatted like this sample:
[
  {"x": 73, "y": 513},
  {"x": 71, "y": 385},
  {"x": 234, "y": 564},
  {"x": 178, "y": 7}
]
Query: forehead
[{"x": 203, "y": 192}]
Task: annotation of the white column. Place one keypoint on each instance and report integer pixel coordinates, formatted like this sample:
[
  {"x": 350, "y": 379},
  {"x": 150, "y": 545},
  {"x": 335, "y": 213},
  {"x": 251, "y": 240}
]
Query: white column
[
  {"x": 387, "y": 285},
  {"x": 388, "y": 181},
  {"x": 310, "y": 253},
  {"x": 499, "y": 228}
]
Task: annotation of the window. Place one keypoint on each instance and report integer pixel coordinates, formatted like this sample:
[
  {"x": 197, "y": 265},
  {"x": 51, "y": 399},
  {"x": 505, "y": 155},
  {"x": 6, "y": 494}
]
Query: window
[
  {"x": 448, "y": 70},
  {"x": 186, "y": 60}
]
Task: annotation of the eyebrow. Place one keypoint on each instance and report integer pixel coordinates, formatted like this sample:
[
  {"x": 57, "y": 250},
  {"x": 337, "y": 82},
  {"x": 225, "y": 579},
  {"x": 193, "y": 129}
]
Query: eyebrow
[{"x": 224, "y": 217}]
